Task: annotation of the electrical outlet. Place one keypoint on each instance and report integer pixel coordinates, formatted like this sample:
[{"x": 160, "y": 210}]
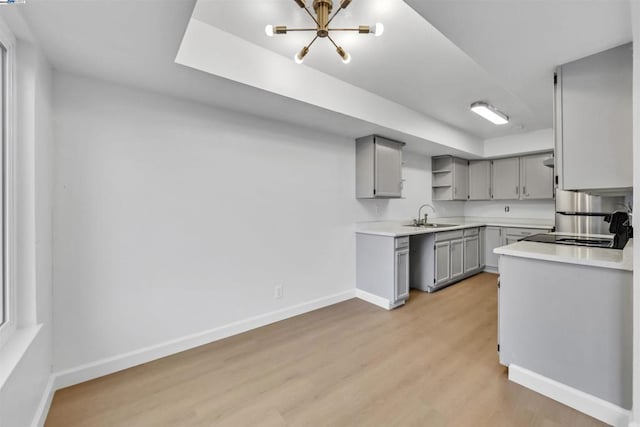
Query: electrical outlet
[
  {"x": 278, "y": 292},
  {"x": 506, "y": 209}
]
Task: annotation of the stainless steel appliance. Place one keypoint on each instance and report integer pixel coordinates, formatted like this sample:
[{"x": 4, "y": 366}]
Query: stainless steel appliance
[{"x": 582, "y": 213}]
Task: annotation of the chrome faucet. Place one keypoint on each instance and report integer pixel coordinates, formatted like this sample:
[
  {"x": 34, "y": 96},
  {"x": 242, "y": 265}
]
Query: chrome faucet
[{"x": 418, "y": 222}]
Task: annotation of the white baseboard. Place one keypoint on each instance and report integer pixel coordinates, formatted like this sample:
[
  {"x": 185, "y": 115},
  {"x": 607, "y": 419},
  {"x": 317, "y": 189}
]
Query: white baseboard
[
  {"x": 117, "y": 363},
  {"x": 593, "y": 406},
  {"x": 45, "y": 403},
  {"x": 376, "y": 300}
]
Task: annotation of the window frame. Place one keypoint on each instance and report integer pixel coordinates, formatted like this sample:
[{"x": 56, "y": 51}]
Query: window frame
[{"x": 8, "y": 189}]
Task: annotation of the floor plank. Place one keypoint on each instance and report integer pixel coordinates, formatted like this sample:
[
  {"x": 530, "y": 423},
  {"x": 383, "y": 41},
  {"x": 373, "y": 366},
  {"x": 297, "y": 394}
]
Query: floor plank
[{"x": 432, "y": 362}]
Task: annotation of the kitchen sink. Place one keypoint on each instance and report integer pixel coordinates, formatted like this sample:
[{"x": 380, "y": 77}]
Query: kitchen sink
[{"x": 432, "y": 225}]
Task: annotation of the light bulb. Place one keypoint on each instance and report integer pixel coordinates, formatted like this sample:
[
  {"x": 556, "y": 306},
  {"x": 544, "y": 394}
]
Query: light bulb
[
  {"x": 269, "y": 30},
  {"x": 299, "y": 57},
  {"x": 378, "y": 29},
  {"x": 346, "y": 58}
]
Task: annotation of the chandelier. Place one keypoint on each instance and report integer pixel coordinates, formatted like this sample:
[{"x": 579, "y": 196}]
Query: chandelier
[{"x": 323, "y": 18}]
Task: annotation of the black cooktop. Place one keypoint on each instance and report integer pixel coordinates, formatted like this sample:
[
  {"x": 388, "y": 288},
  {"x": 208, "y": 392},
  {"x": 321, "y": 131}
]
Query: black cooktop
[{"x": 575, "y": 240}]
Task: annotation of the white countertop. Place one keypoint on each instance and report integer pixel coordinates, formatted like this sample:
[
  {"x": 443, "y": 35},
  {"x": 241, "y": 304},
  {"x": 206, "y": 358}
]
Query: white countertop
[
  {"x": 593, "y": 257},
  {"x": 403, "y": 228}
]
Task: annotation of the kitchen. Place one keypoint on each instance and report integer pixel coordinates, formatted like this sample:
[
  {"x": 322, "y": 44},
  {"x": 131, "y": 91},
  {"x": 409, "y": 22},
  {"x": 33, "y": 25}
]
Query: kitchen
[
  {"x": 323, "y": 238},
  {"x": 551, "y": 307}
]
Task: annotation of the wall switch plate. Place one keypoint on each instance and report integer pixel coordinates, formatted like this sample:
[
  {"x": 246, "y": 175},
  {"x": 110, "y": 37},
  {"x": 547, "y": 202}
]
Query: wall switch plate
[
  {"x": 278, "y": 292},
  {"x": 506, "y": 208}
]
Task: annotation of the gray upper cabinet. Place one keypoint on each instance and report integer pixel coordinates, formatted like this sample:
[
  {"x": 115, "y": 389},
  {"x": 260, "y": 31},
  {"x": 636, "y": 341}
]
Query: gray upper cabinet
[
  {"x": 450, "y": 179},
  {"x": 378, "y": 168},
  {"x": 594, "y": 121},
  {"x": 536, "y": 179},
  {"x": 512, "y": 178},
  {"x": 505, "y": 178},
  {"x": 479, "y": 180},
  {"x": 460, "y": 179}
]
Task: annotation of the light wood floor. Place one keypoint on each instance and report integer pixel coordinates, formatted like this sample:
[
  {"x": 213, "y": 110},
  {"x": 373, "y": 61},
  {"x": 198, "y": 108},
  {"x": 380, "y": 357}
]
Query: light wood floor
[{"x": 432, "y": 362}]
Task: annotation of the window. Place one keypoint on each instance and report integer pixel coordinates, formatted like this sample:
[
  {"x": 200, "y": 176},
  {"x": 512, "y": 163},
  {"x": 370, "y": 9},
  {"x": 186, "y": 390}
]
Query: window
[
  {"x": 8, "y": 318},
  {"x": 4, "y": 289}
]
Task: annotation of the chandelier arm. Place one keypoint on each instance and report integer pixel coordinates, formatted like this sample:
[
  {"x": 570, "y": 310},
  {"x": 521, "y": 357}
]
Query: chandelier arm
[
  {"x": 301, "y": 29},
  {"x": 344, "y": 29},
  {"x": 334, "y": 43},
  {"x": 311, "y": 15},
  {"x": 312, "y": 41},
  {"x": 334, "y": 15}
]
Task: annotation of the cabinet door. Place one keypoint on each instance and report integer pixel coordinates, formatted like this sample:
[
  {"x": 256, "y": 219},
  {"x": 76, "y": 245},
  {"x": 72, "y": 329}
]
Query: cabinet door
[
  {"x": 505, "y": 179},
  {"x": 388, "y": 168},
  {"x": 479, "y": 180},
  {"x": 597, "y": 122},
  {"x": 493, "y": 239},
  {"x": 402, "y": 274},
  {"x": 481, "y": 250},
  {"x": 460, "y": 179},
  {"x": 471, "y": 254},
  {"x": 536, "y": 178},
  {"x": 442, "y": 263},
  {"x": 457, "y": 258}
]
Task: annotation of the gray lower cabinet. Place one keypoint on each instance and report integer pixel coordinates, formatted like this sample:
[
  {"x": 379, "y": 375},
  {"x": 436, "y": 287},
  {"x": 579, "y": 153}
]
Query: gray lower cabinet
[
  {"x": 457, "y": 259},
  {"x": 383, "y": 269},
  {"x": 442, "y": 263},
  {"x": 493, "y": 239},
  {"x": 501, "y": 236},
  {"x": 481, "y": 246},
  {"x": 471, "y": 254},
  {"x": 401, "y": 283},
  {"x": 456, "y": 256}
]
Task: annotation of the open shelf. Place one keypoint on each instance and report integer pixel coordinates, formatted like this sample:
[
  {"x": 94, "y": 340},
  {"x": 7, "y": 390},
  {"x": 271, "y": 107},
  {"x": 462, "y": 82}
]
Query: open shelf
[{"x": 442, "y": 193}]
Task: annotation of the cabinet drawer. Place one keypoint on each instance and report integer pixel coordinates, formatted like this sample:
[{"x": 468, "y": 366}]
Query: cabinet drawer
[
  {"x": 449, "y": 235},
  {"x": 523, "y": 232},
  {"x": 468, "y": 232},
  {"x": 402, "y": 242}
]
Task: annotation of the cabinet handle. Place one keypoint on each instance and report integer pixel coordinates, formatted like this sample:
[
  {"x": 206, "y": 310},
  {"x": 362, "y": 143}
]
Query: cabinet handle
[
  {"x": 517, "y": 190},
  {"x": 455, "y": 191},
  {"x": 524, "y": 191}
]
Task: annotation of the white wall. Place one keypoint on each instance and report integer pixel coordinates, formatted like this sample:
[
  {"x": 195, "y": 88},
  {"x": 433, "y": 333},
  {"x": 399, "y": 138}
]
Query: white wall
[
  {"x": 538, "y": 209},
  {"x": 22, "y": 393},
  {"x": 540, "y": 140},
  {"x": 173, "y": 218}
]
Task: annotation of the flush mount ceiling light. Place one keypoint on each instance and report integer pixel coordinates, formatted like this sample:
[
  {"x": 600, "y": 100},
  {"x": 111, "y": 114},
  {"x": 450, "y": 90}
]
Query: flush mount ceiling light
[
  {"x": 490, "y": 113},
  {"x": 322, "y": 20}
]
